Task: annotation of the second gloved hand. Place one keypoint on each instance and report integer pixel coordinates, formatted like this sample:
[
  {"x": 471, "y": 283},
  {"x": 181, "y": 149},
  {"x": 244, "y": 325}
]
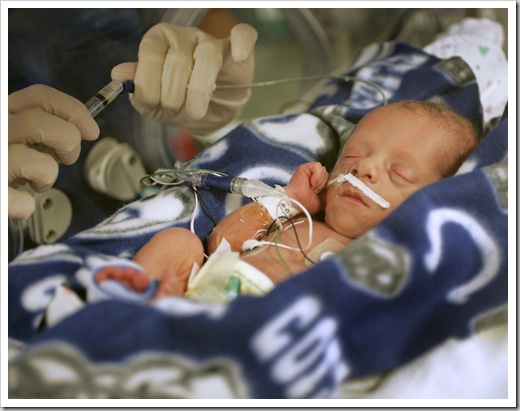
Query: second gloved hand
[
  {"x": 177, "y": 72},
  {"x": 45, "y": 127}
]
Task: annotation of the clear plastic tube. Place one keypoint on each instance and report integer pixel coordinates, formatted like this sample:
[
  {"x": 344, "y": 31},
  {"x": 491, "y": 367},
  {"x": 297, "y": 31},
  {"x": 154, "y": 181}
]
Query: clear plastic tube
[{"x": 302, "y": 79}]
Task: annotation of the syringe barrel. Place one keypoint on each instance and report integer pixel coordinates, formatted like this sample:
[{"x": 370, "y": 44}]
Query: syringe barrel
[{"x": 104, "y": 97}]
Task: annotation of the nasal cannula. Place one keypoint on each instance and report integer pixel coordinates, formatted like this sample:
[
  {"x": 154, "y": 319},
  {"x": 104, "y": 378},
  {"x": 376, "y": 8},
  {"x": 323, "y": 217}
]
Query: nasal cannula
[
  {"x": 107, "y": 94},
  {"x": 356, "y": 182}
]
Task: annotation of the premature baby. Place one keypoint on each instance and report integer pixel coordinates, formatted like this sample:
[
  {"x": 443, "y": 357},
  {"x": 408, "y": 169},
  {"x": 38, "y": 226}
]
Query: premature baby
[{"x": 393, "y": 151}]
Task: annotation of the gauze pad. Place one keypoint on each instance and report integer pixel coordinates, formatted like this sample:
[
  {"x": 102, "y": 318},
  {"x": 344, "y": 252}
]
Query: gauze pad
[{"x": 356, "y": 182}]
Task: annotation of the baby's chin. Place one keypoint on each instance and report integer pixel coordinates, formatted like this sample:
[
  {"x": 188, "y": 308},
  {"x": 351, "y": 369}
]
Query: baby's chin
[{"x": 351, "y": 231}]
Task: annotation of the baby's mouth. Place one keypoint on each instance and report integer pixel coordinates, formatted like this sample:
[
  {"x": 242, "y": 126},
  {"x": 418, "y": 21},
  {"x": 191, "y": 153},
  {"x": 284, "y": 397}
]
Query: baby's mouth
[
  {"x": 347, "y": 191},
  {"x": 362, "y": 187}
]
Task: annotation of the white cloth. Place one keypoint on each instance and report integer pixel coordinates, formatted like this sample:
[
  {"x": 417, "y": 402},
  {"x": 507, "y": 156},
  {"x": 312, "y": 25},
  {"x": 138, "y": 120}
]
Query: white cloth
[
  {"x": 224, "y": 277},
  {"x": 479, "y": 42}
]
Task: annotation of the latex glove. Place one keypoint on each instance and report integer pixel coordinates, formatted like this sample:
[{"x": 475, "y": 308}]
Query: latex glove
[
  {"x": 177, "y": 72},
  {"x": 45, "y": 127}
]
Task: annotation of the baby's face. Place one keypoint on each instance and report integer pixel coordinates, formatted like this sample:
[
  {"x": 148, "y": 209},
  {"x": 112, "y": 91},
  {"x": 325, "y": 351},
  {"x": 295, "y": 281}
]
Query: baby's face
[{"x": 394, "y": 151}]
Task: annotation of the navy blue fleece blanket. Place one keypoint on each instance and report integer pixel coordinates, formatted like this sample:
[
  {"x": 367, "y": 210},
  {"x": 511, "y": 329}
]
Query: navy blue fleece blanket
[{"x": 434, "y": 269}]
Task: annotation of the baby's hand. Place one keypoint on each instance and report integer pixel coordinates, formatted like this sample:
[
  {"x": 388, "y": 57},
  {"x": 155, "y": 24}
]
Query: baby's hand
[{"x": 307, "y": 182}]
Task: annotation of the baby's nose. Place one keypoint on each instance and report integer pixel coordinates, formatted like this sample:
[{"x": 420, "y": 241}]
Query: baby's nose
[
  {"x": 365, "y": 189},
  {"x": 365, "y": 170}
]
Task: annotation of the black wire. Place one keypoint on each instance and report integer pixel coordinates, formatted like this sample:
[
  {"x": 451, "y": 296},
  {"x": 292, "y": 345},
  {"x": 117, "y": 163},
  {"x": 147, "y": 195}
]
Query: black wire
[
  {"x": 290, "y": 220},
  {"x": 206, "y": 208},
  {"x": 298, "y": 241},
  {"x": 270, "y": 227}
]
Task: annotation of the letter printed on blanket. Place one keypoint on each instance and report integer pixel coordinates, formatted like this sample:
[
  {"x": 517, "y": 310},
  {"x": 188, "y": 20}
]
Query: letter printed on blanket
[
  {"x": 489, "y": 250},
  {"x": 301, "y": 346}
]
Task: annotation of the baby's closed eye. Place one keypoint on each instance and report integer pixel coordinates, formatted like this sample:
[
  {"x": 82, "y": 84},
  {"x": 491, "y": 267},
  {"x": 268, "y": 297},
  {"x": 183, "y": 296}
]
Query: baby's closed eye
[{"x": 401, "y": 175}]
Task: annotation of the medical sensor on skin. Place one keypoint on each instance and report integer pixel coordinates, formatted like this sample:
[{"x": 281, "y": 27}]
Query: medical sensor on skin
[{"x": 356, "y": 182}]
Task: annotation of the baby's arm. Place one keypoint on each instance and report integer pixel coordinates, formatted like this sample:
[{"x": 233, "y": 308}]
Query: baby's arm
[
  {"x": 306, "y": 184},
  {"x": 248, "y": 221}
]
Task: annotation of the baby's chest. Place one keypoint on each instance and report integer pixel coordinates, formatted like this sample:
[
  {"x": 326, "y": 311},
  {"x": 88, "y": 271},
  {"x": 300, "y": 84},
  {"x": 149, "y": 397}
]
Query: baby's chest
[{"x": 294, "y": 247}]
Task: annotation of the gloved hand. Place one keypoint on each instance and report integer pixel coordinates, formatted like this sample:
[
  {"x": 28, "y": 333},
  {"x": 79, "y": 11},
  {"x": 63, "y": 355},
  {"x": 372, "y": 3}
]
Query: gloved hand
[
  {"x": 177, "y": 72},
  {"x": 45, "y": 127}
]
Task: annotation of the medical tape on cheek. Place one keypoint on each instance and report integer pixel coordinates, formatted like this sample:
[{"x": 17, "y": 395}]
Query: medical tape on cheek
[{"x": 356, "y": 182}]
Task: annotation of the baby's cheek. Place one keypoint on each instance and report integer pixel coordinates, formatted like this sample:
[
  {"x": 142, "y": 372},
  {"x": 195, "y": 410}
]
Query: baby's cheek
[
  {"x": 396, "y": 199},
  {"x": 348, "y": 226},
  {"x": 366, "y": 223}
]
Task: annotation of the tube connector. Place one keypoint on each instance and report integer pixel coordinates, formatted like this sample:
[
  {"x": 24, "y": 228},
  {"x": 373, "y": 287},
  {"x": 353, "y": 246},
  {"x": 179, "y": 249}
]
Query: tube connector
[{"x": 251, "y": 188}]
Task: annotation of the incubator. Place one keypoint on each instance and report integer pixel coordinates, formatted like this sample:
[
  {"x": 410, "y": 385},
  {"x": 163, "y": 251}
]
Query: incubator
[
  {"x": 372, "y": 316},
  {"x": 311, "y": 42}
]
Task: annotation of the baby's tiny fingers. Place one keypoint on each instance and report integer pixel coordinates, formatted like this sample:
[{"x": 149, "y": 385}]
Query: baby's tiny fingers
[{"x": 319, "y": 178}]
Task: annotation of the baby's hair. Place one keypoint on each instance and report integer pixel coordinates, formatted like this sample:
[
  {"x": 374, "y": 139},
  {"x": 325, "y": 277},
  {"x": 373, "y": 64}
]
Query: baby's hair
[{"x": 456, "y": 125}]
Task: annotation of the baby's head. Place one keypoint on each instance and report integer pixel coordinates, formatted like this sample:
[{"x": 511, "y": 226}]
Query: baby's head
[
  {"x": 459, "y": 135},
  {"x": 395, "y": 150}
]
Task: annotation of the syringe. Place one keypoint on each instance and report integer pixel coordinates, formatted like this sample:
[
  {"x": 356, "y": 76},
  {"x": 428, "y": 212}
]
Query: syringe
[
  {"x": 108, "y": 94},
  {"x": 97, "y": 103}
]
